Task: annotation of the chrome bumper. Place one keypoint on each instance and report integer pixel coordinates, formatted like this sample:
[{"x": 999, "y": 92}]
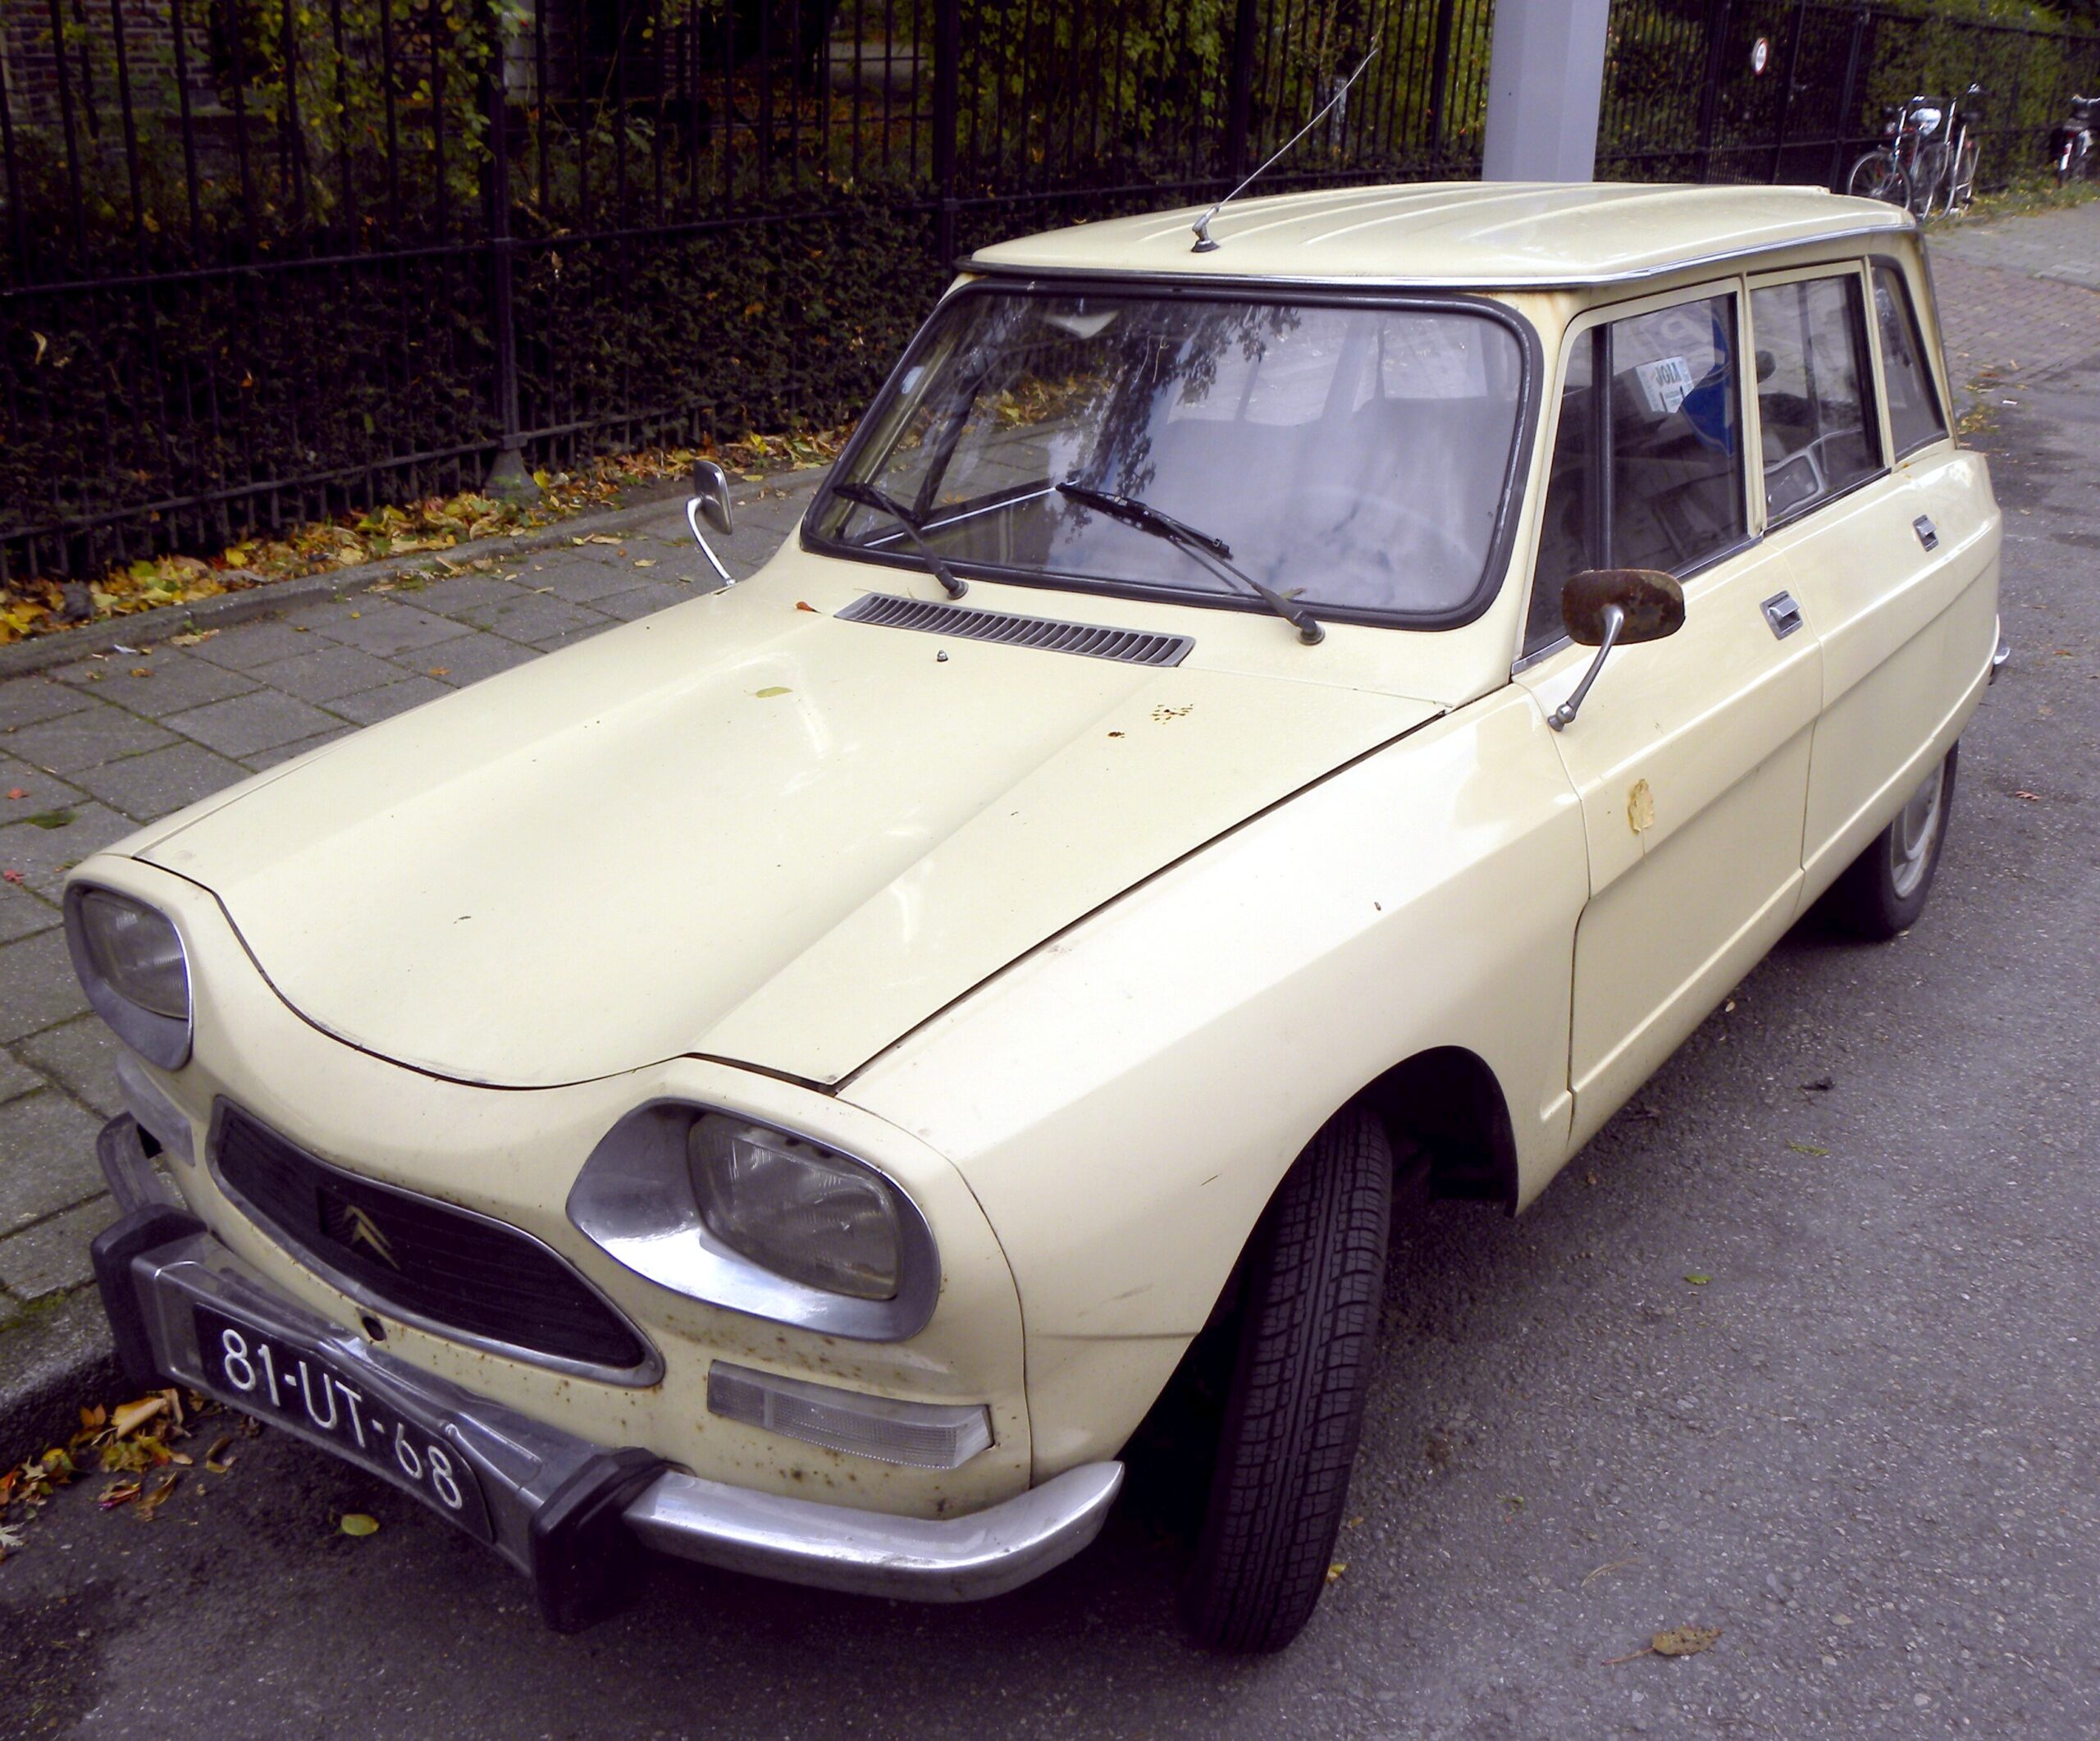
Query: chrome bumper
[
  {"x": 157, "y": 1264},
  {"x": 2003, "y": 652}
]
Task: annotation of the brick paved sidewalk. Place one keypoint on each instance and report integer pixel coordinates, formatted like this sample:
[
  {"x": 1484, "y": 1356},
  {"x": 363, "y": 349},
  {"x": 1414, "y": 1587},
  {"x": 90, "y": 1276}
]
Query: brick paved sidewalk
[{"x": 99, "y": 746}]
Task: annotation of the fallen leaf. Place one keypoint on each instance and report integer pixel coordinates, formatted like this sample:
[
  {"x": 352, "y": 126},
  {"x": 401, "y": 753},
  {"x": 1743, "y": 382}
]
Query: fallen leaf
[
  {"x": 1806, "y": 1148},
  {"x": 803, "y": 603},
  {"x": 50, "y": 818},
  {"x": 2032, "y": 797},
  {"x": 645, "y": 562},
  {"x": 1698, "y": 1279},
  {"x": 198, "y": 639},
  {"x": 774, "y": 689},
  {"x": 118, "y": 1493},
  {"x": 1334, "y": 1571},
  {"x": 140, "y": 670},
  {"x": 440, "y": 670},
  {"x": 11, "y": 876},
  {"x": 151, "y": 1502},
  {"x": 1820, "y": 1086},
  {"x": 599, "y": 537},
  {"x": 357, "y": 1523},
  {"x": 134, "y": 1415},
  {"x": 1684, "y": 1641},
  {"x": 18, "y": 792}
]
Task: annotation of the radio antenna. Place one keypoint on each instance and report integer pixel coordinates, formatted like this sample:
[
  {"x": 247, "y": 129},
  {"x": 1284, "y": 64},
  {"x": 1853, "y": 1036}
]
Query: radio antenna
[{"x": 1204, "y": 242}]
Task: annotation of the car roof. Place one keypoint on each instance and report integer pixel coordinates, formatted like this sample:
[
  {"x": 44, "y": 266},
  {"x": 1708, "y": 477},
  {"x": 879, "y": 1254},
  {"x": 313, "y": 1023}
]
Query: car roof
[{"x": 1500, "y": 235}]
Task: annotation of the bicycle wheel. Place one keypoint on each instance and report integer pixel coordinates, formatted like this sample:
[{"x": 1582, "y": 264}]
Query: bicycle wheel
[
  {"x": 1928, "y": 180},
  {"x": 1963, "y": 193},
  {"x": 1878, "y": 175}
]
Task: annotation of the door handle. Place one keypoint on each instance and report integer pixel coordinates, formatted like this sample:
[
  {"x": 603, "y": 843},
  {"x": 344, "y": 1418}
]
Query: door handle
[
  {"x": 1928, "y": 533},
  {"x": 1783, "y": 613}
]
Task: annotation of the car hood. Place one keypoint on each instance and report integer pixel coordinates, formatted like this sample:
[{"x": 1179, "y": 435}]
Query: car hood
[{"x": 742, "y": 828}]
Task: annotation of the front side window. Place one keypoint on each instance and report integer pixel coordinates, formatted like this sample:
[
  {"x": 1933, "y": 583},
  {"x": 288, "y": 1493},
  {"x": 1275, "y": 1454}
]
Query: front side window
[
  {"x": 1358, "y": 459},
  {"x": 1812, "y": 411},
  {"x": 1668, "y": 491},
  {"x": 1913, "y": 413}
]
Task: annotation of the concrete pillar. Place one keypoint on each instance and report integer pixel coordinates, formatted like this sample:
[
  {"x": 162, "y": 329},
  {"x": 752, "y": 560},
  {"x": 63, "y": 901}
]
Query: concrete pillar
[{"x": 1545, "y": 83}]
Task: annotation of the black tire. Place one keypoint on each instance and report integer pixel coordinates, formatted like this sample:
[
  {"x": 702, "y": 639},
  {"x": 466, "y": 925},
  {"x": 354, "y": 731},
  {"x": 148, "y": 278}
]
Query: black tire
[
  {"x": 1309, "y": 1293},
  {"x": 1878, "y": 175},
  {"x": 1883, "y": 890}
]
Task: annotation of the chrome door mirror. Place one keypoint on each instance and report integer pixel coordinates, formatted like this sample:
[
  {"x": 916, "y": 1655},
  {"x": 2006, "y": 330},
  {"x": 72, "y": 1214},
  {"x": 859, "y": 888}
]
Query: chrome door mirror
[
  {"x": 710, "y": 499},
  {"x": 710, "y": 493},
  {"x": 1606, "y": 608}
]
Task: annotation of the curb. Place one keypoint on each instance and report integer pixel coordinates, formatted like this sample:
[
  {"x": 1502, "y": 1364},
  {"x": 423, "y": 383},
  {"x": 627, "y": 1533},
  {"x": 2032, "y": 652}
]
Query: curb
[
  {"x": 55, "y": 1360},
  {"x": 63, "y": 646}
]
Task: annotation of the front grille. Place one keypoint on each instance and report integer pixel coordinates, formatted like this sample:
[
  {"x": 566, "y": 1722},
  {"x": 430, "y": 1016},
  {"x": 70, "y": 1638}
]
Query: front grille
[
  {"x": 446, "y": 1268},
  {"x": 966, "y": 622}
]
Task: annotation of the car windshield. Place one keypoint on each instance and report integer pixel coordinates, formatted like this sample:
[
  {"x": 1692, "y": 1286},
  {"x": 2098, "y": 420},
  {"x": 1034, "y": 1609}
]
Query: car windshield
[{"x": 1355, "y": 458}]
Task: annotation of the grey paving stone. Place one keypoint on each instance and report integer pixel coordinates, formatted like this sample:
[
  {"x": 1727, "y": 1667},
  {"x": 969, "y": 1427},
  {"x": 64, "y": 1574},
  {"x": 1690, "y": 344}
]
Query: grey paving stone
[
  {"x": 460, "y": 663},
  {"x": 327, "y": 671},
  {"x": 249, "y": 724},
  {"x": 386, "y": 628},
  {"x": 46, "y": 1159},
  {"x": 582, "y": 632},
  {"x": 284, "y": 752},
  {"x": 80, "y": 1056},
  {"x": 645, "y": 600},
  {"x": 465, "y": 592},
  {"x": 246, "y": 645},
  {"x": 44, "y": 855},
  {"x": 151, "y": 785},
  {"x": 25, "y": 700},
  {"x": 37, "y": 986},
  {"x": 174, "y": 682},
  {"x": 23, "y": 914},
  {"x": 17, "y": 1078},
  {"x": 44, "y": 791},
  {"x": 79, "y": 740},
  {"x": 582, "y": 582},
  {"x": 530, "y": 616},
  {"x": 370, "y": 705},
  {"x": 53, "y": 1256}
]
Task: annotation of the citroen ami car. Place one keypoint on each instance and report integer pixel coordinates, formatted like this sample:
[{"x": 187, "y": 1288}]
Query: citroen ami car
[{"x": 1246, "y": 736}]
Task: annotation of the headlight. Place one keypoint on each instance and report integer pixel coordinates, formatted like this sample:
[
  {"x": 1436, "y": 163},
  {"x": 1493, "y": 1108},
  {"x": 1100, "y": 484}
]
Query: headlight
[
  {"x": 802, "y": 1211},
  {"x": 719, "y": 1207},
  {"x": 129, "y": 961}
]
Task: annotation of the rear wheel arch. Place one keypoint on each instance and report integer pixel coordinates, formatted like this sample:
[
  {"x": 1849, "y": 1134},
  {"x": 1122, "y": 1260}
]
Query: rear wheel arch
[{"x": 1447, "y": 1120}]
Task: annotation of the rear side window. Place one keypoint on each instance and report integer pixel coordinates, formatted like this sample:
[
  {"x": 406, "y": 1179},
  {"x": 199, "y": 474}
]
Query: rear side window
[
  {"x": 1913, "y": 412},
  {"x": 1814, "y": 414},
  {"x": 1667, "y": 417}
]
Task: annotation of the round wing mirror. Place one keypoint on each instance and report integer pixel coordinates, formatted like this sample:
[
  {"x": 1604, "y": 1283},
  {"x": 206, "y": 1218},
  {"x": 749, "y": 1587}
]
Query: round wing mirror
[
  {"x": 1650, "y": 603},
  {"x": 710, "y": 489}
]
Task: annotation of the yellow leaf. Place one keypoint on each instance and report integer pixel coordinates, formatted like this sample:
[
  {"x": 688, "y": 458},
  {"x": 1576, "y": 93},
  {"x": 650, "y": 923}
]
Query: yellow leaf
[{"x": 357, "y": 1523}]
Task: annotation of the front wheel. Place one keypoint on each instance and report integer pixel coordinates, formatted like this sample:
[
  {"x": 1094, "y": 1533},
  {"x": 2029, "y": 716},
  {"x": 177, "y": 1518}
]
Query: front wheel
[
  {"x": 1315, "y": 1273},
  {"x": 1878, "y": 175},
  {"x": 1883, "y": 890}
]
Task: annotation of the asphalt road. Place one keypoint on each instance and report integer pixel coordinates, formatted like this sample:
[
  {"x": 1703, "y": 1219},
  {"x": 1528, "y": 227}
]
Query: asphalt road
[{"x": 1863, "y": 1448}]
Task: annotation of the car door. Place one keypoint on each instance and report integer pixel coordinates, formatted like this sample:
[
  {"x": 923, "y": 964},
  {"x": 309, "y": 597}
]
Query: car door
[
  {"x": 1884, "y": 525},
  {"x": 1690, "y": 755}
]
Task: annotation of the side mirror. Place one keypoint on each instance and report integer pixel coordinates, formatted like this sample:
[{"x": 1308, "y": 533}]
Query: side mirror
[
  {"x": 1606, "y": 608},
  {"x": 710, "y": 489},
  {"x": 710, "y": 496}
]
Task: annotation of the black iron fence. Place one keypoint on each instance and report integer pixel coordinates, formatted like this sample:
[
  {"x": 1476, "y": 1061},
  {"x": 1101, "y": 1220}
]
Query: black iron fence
[
  {"x": 264, "y": 261},
  {"x": 1796, "y": 90}
]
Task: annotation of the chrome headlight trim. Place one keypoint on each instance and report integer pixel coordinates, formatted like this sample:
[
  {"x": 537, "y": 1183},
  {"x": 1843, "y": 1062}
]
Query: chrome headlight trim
[
  {"x": 158, "y": 1039},
  {"x": 634, "y": 1200}
]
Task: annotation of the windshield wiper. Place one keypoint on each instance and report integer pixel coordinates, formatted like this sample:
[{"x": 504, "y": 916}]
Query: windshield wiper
[
  {"x": 867, "y": 495},
  {"x": 1213, "y": 552}
]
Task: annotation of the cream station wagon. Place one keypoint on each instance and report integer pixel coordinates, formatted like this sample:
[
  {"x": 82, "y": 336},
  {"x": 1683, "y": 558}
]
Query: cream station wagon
[{"x": 1250, "y": 733}]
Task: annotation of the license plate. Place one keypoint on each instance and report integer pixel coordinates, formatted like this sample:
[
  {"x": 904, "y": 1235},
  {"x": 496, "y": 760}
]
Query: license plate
[{"x": 276, "y": 1380}]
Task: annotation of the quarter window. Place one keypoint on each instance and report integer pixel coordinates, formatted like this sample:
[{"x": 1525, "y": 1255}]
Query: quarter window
[
  {"x": 1913, "y": 412},
  {"x": 1671, "y": 496},
  {"x": 1813, "y": 410}
]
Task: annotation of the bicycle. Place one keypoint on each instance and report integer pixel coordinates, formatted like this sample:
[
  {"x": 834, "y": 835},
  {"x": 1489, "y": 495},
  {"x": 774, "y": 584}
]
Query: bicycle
[
  {"x": 1963, "y": 151},
  {"x": 1911, "y": 169},
  {"x": 2074, "y": 140}
]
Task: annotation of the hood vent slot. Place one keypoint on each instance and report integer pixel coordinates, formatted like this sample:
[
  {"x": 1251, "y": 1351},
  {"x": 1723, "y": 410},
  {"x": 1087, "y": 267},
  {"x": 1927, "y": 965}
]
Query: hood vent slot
[{"x": 965, "y": 621}]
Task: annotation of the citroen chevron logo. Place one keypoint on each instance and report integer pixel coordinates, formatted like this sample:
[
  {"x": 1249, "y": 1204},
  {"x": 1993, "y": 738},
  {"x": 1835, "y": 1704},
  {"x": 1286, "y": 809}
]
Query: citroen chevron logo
[{"x": 355, "y": 1228}]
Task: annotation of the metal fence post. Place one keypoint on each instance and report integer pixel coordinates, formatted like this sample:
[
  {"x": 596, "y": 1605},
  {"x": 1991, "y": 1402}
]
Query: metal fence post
[
  {"x": 508, "y": 480},
  {"x": 1440, "y": 83},
  {"x": 1240, "y": 93},
  {"x": 1710, "y": 104},
  {"x": 1848, "y": 103},
  {"x": 1786, "y": 90},
  {"x": 948, "y": 83}
]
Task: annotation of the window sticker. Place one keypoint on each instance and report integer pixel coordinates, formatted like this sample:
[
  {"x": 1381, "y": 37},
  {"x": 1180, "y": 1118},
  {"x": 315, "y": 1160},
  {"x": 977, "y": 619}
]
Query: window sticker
[{"x": 1665, "y": 383}]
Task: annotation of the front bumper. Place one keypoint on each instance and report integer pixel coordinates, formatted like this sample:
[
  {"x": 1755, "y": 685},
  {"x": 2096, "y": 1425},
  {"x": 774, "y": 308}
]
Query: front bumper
[{"x": 569, "y": 1514}]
